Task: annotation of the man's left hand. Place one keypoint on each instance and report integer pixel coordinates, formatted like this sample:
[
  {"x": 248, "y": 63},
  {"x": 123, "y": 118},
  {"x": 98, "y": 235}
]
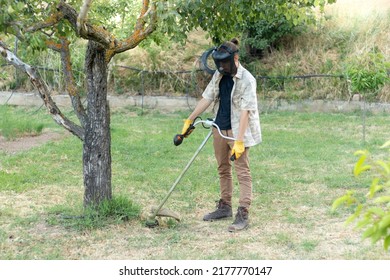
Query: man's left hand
[{"x": 238, "y": 148}]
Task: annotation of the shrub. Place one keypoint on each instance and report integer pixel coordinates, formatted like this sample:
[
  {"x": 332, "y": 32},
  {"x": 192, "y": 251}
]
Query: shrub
[
  {"x": 368, "y": 73},
  {"x": 372, "y": 214}
]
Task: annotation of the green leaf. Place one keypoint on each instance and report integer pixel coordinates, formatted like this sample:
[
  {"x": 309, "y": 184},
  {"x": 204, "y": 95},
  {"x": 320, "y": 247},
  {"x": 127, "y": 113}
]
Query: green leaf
[
  {"x": 377, "y": 235},
  {"x": 374, "y": 187},
  {"x": 363, "y": 223},
  {"x": 339, "y": 201},
  {"x": 370, "y": 231},
  {"x": 384, "y": 165},
  {"x": 20, "y": 6},
  {"x": 384, "y": 222},
  {"x": 355, "y": 215},
  {"x": 387, "y": 144},
  {"x": 377, "y": 211},
  {"x": 345, "y": 199},
  {"x": 360, "y": 152},
  {"x": 386, "y": 243},
  {"x": 382, "y": 199},
  {"x": 360, "y": 167}
]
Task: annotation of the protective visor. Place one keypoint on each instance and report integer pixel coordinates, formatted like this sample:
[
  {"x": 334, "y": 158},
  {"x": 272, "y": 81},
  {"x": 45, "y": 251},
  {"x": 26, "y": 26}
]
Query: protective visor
[{"x": 224, "y": 60}]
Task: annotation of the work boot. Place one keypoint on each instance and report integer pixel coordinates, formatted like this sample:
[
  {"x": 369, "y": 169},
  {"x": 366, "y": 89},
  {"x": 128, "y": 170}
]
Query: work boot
[
  {"x": 241, "y": 221},
  {"x": 224, "y": 210}
]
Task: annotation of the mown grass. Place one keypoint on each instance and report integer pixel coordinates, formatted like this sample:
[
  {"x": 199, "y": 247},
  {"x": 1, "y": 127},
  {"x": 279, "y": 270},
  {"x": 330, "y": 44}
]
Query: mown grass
[{"x": 303, "y": 164}]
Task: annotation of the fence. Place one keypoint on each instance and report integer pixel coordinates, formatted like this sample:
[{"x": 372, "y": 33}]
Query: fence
[{"x": 127, "y": 80}]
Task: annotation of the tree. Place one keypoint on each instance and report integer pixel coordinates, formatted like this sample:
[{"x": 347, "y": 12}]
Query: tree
[
  {"x": 109, "y": 28},
  {"x": 223, "y": 19},
  {"x": 54, "y": 25}
]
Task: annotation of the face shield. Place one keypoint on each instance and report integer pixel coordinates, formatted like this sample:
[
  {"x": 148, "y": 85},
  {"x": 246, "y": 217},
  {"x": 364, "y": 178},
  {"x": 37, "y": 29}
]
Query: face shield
[{"x": 224, "y": 60}]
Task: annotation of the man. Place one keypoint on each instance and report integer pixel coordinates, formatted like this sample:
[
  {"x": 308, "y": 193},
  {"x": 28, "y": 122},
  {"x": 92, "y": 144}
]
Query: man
[{"x": 233, "y": 91}]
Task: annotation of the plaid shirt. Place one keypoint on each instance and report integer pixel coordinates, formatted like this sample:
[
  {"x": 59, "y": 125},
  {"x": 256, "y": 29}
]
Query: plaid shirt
[{"x": 243, "y": 98}]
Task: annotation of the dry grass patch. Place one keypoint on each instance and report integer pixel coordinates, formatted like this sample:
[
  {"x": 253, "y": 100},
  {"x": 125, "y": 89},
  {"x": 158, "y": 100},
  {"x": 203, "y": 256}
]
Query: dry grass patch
[{"x": 277, "y": 231}]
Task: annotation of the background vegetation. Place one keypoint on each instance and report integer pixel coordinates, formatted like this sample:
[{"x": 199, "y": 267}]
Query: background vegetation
[{"x": 338, "y": 44}]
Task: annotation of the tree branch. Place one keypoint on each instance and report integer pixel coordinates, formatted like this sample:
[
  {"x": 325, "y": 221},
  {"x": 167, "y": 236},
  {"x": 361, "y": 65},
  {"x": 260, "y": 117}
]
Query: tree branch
[
  {"x": 97, "y": 34},
  {"x": 81, "y": 19},
  {"x": 52, "y": 20},
  {"x": 145, "y": 25},
  {"x": 142, "y": 28},
  {"x": 43, "y": 90},
  {"x": 70, "y": 84}
]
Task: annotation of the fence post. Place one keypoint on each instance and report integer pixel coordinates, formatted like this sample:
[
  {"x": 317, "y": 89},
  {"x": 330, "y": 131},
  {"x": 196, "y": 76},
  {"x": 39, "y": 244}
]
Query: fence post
[{"x": 142, "y": 91}]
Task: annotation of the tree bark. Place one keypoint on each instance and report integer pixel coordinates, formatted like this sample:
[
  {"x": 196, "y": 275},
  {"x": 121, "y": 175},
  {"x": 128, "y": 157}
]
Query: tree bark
[{"x": 97, "y": 141}]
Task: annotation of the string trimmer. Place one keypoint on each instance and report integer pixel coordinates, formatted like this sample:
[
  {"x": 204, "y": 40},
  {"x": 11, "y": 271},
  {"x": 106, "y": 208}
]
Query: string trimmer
[{"x": 177, "y": 140}]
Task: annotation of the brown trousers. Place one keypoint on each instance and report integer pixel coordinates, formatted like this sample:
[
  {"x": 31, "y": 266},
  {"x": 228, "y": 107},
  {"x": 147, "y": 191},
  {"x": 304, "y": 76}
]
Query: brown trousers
[{"x": 222, "y": 150}]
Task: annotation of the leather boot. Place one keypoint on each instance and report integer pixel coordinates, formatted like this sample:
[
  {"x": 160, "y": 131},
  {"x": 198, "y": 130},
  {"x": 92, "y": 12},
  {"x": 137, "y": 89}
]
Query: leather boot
[
  {"x": 224, "y": 210},
  {"x": 241, "y": 220}
]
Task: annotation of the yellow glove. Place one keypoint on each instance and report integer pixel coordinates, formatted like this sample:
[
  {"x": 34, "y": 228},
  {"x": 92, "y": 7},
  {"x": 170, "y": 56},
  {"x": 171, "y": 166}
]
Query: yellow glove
[
  {"x": 238, "y": 149},
  {"x": 186, "y": 125}
]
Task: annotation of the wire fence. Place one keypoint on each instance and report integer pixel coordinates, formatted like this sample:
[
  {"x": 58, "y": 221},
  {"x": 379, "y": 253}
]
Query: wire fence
[{"x": 128, "y": 80}]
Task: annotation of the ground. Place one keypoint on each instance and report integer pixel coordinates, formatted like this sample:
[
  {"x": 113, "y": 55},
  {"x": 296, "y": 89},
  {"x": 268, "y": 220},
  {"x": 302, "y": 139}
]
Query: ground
[{"x": 28, "y": 142}]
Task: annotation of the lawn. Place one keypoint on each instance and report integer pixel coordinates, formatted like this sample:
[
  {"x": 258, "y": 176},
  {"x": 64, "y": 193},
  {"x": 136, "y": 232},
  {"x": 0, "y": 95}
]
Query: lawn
[{"x": 304, "y": 163}]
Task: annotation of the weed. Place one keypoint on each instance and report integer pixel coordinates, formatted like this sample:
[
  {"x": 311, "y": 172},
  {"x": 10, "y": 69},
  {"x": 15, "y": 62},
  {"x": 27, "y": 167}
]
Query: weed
[
  {"x": 309, "y": 245},
  {"x": 117, "y": 210}
]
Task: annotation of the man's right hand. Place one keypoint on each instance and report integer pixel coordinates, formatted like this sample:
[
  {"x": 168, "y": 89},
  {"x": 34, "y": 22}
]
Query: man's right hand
[{"x": 186, "y": 126}]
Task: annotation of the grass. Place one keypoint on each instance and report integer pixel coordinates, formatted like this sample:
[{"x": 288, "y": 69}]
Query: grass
[
  {"x": 303, "y": 164},
  {"x": 19, "y": 122},
  {"x": 117, "y": 210},
  {"x": 26, "y": 124}
]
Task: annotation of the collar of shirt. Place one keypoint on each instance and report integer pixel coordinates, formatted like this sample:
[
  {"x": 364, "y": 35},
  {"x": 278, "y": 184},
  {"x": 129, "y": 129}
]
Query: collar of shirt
[{"x": 240, "y": 70}]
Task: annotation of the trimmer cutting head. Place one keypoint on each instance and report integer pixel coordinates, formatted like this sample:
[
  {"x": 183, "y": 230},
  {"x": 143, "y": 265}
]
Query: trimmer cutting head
[
  {"x": 163, "y": 212},
  {"x": 152, "y": 223}
]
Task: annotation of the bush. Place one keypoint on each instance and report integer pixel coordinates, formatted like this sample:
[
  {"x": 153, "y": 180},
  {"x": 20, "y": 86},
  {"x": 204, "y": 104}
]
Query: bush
[
  {"x": 368, "y": 73},
  {"x": 372, "y": 214},
  {"x": 262, "y": 36}
]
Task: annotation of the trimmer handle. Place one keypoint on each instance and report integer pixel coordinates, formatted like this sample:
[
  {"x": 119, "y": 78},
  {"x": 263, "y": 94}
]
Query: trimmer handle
[
  {"x": 233, "y": 157},
  {"x": 178, "y": 139}
]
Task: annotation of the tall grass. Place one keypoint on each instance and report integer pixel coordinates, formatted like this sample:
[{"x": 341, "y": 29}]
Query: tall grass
[
  {"x": 24, "y": 125},
  {"x": 327, "y": 49}
]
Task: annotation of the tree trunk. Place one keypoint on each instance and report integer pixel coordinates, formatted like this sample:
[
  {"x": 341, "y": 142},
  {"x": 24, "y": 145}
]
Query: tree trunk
[{"x": 97, "y": 142}]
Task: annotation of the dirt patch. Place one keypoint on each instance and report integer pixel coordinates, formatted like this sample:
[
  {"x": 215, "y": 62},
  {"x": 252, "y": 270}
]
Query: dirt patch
[{"x": 28, "y": 142}]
